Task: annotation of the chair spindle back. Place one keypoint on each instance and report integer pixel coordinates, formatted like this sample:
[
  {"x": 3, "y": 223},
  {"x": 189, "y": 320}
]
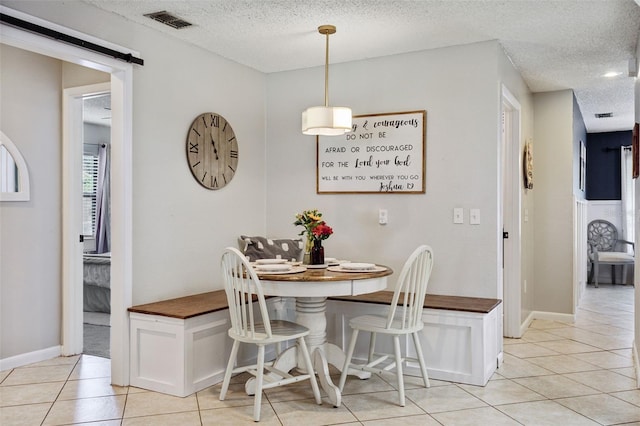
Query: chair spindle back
[
  {"x": 242, "y": 287},
  {"x": 411, "y": 288}
]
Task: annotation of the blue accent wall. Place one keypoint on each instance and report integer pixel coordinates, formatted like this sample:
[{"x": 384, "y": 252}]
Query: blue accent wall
[{"x": 603, "y": 164}]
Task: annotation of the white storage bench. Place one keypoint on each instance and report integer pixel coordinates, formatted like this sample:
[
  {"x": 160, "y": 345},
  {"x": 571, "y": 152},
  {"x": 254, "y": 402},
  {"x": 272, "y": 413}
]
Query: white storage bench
[
  {"x": 180, "y": 346},
  {"x": 461, "y": 339}
]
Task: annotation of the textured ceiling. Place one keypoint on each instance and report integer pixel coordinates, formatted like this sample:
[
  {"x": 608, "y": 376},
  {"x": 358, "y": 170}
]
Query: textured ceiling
[{"x": 555, "y": 44}]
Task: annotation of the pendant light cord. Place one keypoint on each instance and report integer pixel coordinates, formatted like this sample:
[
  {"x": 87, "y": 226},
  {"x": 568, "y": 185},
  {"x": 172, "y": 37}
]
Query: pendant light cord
[{"x": 326, "y": 71}]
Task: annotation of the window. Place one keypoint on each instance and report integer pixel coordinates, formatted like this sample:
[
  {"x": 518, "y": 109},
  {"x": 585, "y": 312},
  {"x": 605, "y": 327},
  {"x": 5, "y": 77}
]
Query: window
[{"x": 89, "y": 189}]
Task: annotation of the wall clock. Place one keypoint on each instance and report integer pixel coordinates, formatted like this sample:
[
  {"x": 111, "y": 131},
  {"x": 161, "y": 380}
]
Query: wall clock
[{"x": 212, "y": 150}]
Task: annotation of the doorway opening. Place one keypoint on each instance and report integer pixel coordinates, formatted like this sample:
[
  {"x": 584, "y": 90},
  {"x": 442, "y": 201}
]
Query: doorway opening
[
  {"x": 510, "y": 289},
  {"x": 96, "y": 223},
  {"x": 121, "y": 192}
]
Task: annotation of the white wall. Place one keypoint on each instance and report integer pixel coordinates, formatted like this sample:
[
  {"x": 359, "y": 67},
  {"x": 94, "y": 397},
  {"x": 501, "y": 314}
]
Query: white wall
[
  {"x": 74, "y": 75},
  {"x": 636, "y": 306},
  {"x": 516, "y": 85},
  {"x": 459, "y": 89},
  {"x": 179, "y": 228},
  {"x": 553, "y": 183},
  {"x": 610, "y": 210},
  {"x": 30, "y": 260},
  {"x": 96, "y": 135}
]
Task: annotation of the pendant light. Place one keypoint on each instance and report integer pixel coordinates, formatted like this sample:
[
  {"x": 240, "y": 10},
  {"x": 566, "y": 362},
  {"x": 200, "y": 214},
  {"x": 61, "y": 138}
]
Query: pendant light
[{"x": 326, "y": 120}]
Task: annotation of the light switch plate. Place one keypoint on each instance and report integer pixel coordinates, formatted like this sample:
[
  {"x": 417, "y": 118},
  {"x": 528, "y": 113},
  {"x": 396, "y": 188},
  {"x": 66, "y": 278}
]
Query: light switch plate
[
  {"x": 474, "y": 216},
  {"x": 383, "y": 217},
  {"x": 458, "y": 215}
]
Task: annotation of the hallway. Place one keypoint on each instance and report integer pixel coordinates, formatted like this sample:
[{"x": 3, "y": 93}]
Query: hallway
[{"x": 557, "y": 374}]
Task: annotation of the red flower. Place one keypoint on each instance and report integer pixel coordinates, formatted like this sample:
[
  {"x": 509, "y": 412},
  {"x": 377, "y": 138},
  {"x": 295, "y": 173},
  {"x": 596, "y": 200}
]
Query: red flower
[{"x": 322, "y": 231}]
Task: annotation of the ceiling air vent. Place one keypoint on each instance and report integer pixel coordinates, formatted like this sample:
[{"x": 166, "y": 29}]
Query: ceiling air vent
[
  {"x": 168, "y": 19},
  {"x": 604, "y": 115}
]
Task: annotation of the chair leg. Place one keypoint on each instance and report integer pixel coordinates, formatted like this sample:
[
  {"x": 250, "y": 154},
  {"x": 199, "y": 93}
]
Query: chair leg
[
  {"x": 230, "y": 365},
  {"x": 312, "y": 375},
  {"x": 423, "y": 367},
  {"x": 396, "y": 346},
  {"x": 596, "y": 270},
  {"x": 372, "y": 347},
  {"x": 257, "y": 398},
  {"x": 347, "y": 359},
  {"x": 613, "y": 274},
  {"x": 590, "y": 279}
]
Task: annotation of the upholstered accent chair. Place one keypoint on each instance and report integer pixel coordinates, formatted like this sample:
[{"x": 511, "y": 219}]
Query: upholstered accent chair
[{"x": 605, "y": 248}]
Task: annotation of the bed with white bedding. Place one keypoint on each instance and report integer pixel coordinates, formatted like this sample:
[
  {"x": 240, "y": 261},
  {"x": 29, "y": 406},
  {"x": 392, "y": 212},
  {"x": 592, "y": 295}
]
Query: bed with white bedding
[{"x": 97, "y": 282}]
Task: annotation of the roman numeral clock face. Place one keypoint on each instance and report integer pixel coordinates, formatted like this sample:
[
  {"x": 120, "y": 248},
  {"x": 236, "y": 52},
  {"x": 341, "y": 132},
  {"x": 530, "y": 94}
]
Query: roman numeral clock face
[{"x": 212, "y": 150}]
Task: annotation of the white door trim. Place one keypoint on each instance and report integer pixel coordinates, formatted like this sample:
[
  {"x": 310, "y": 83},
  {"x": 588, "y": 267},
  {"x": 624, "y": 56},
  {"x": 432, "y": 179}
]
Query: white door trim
[
  {"x": 72, "y": 273},
  {"x": 121, "y": 174},
  {"x": 511, "y": 215}
]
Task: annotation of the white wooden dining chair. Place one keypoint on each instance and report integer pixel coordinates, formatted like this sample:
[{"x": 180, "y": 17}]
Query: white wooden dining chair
[
  {"x": 403, "y": 319},
  {"x": 252, "y": 326}
]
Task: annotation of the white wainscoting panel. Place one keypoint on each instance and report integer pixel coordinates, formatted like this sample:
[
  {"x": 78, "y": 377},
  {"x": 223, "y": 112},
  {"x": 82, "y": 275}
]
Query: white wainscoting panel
[
  {"x": 458, "y": 346},
  {"x": 176, "y": 356}
]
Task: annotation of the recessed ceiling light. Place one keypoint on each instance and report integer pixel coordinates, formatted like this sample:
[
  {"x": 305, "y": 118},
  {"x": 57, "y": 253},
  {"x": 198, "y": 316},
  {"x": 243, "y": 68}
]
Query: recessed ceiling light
[{"x": 611, "y": 74}]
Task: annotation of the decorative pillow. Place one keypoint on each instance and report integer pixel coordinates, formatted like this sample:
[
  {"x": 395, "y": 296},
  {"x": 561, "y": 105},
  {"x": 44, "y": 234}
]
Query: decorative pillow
[{"x": 266, "y": 248}]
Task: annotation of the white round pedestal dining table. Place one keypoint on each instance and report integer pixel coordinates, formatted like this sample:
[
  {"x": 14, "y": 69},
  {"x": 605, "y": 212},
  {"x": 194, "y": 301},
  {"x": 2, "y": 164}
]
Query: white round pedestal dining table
[{"x": 311, "y": 289}]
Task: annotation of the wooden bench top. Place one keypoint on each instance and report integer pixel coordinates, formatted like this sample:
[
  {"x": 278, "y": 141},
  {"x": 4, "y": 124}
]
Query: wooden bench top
[
  {"x": 432, "y": 301},
  {"x": 213, "y": 301},
  {"x": 185, "y": 307}
]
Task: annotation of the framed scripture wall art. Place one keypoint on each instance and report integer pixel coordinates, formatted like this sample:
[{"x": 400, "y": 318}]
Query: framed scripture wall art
[{"x": 384, "y": 153}]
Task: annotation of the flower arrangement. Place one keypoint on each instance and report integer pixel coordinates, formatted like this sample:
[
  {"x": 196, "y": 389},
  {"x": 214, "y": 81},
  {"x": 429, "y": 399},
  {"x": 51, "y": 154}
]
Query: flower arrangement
[
  {"x": 322, "y": 231},
  {"x": 314, "y": 226}
]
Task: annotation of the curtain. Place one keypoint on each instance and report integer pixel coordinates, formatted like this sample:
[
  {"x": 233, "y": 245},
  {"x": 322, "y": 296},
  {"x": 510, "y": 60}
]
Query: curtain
[
  {"x": 103, "y": 201},
  {"x": 627, "y": 195}
]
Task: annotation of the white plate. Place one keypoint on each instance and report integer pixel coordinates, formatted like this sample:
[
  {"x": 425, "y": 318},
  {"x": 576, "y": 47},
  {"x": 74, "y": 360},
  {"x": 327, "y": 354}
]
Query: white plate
[
  {"x": 324, "y": 265},
  {"x": 341, "y": 268},
  {"x": 330, "y": 260},
  {"x": 294, "y": 270},
  {"x": 273, "y": 268},
  {"x": 270, "y": 261},
  {"x": 358, "y": 266}
]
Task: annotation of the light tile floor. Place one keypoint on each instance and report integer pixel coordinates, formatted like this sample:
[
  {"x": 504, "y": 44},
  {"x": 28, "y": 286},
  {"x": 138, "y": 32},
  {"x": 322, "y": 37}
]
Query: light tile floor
[{"x": 557, "y": 374}]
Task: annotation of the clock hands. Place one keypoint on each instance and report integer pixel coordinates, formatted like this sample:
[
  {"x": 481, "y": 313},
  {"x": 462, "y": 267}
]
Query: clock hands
[{"x": 215, "y": 151}]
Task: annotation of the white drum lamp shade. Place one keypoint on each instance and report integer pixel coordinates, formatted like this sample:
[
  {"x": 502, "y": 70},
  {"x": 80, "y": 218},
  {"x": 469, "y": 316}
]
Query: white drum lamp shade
[{"x": 326, "y": 120}]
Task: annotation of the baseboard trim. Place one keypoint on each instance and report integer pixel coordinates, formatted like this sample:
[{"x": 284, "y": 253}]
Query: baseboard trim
[
  {"x": 30, "y": 358},
  {"x": 525, "y": 325},
  {"x": 553, "y": 316},
  {"x": 542, "y": 315}
]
